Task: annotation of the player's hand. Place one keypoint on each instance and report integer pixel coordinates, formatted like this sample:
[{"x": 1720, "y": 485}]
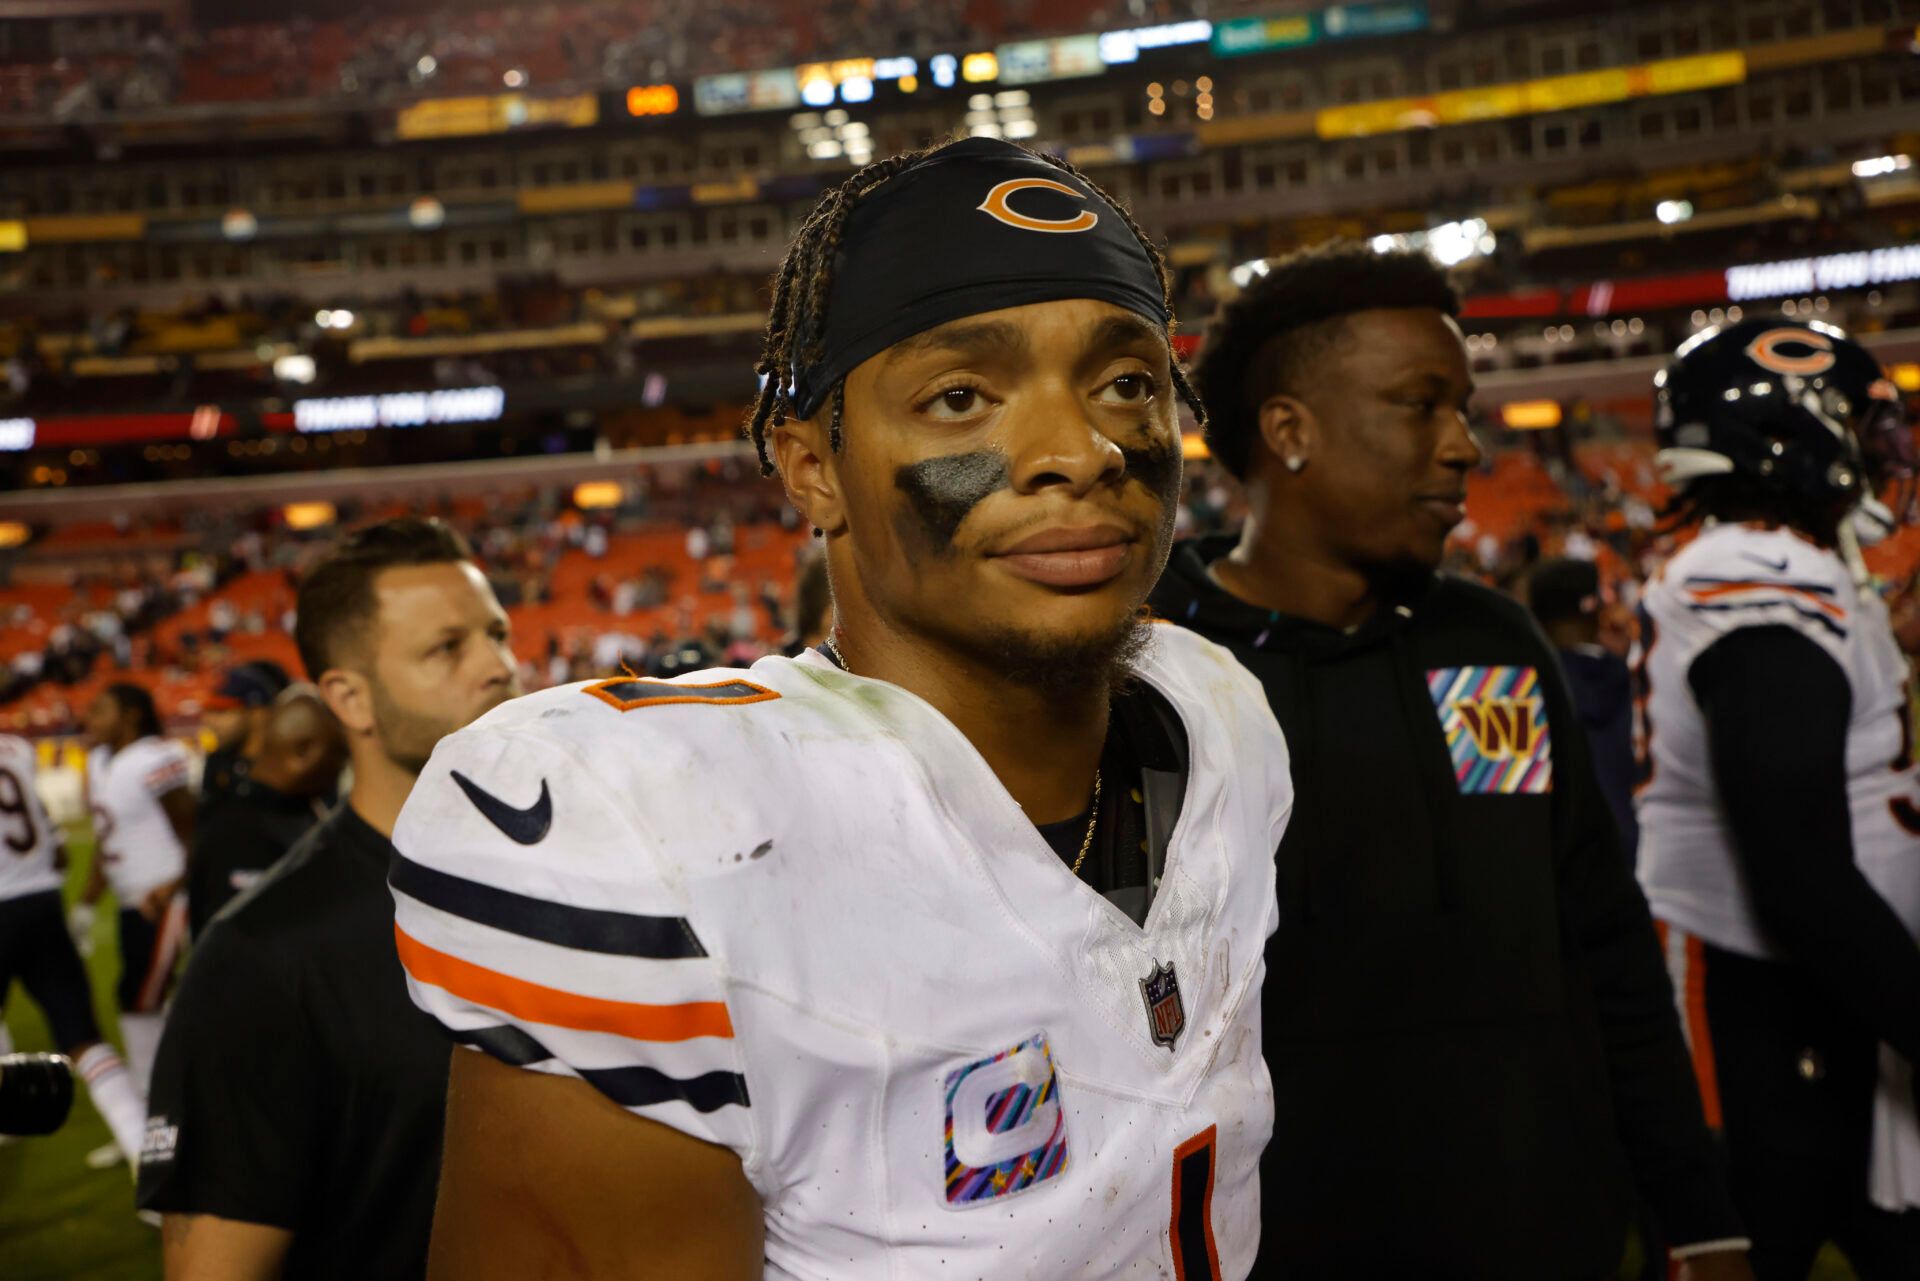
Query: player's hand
[
  {"x": 1721, "y": 1265},
  {"x": 80, "y": 925},
  {"x": 154, "y": 905}
]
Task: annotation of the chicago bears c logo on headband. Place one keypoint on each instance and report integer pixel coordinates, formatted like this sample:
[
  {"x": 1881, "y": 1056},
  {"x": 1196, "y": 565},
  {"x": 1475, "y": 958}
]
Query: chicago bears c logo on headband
[
  {"x": 1765, "y": 351},
  {"x": 996, "y": 206}
]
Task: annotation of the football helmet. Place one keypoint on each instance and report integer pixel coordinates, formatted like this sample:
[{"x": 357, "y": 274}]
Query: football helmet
[{"x": 1772, "y": 401}]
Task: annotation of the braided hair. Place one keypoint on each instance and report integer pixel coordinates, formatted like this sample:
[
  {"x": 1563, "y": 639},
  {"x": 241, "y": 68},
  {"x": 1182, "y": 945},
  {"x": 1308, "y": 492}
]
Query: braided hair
[{"x": 797, "y": 320}]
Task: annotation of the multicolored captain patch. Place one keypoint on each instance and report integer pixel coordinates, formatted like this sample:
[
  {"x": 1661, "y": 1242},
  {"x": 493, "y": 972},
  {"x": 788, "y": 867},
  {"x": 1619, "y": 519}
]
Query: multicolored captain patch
[
  {"x": 1005, "y": 1130},
  {"x": 1495, "y": 721}
]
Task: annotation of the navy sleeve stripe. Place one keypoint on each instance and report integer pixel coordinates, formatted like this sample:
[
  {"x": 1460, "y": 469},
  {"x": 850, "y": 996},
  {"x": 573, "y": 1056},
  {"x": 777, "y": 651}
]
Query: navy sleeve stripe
[
  {"x": 585, "y": 929},
  {"x": 630, "y": 1087},
  {"x": 1838, "y": 631},
  {"x": 639, "y": 1087},
  {"x": 508, "y": 1044},
  {"x": 1818, "y": 589}
]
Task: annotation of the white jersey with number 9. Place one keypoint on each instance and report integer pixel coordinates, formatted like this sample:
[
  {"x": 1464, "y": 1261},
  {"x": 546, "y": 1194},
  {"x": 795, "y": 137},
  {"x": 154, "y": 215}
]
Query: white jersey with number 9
[{"x": 27, "y": 835}]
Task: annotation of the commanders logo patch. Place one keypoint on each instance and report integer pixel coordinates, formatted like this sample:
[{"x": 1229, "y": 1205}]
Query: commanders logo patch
[
  {"x": 1495, "y": 722},
  {"x": 1005, "y": 1128}
]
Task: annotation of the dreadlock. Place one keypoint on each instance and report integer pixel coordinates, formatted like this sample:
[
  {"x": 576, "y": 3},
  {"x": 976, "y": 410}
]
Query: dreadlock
[{"x": 796, "y": 321}]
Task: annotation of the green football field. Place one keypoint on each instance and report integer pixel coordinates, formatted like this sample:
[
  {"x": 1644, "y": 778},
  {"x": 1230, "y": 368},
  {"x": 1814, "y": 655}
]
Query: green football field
[{"x": 60, "y": 1221}]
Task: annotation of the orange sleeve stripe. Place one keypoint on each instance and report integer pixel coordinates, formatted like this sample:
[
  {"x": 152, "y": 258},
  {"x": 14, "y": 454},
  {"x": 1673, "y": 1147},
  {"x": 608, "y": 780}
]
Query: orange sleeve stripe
[
  {"x": 1724, "y": 589},
  {"x": 555, "y": 1008}
]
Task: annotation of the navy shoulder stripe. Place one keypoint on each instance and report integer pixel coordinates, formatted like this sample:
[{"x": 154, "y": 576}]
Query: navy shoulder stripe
[
  {"x": 630, "y": 1087},
  {"x": 586, "y": 929}
]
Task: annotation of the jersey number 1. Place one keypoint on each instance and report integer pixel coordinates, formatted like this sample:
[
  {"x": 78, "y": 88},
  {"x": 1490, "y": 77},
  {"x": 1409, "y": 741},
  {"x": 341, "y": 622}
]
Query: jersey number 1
[{"x": 1195, "y": 1257}]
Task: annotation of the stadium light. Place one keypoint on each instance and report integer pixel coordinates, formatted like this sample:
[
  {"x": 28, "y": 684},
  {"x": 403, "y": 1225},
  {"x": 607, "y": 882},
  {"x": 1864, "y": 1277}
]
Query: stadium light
[
  {"x": 1530, "y": 415},
  {"x": 596, "y": 495},
  {"x": 1247, "y": 272},
  {"x": 1449, "y": 244},
  {"x": 294, "y": 369},
  {"x": 1452, "y": 243},
  {"x": 1881, "y": 166},
  {"x": 309, "y": 515},
  {"x": 1673, "y": 211}
]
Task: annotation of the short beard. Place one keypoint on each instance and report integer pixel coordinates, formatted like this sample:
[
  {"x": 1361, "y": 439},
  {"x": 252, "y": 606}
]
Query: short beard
[
  {"x": 1059, "y": 668},
  {"x": 409, "y": 737}
]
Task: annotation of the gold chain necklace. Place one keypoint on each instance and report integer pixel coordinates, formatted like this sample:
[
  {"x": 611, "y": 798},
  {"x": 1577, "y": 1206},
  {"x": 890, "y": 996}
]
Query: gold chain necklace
[{"x": 1092, "y": 823}]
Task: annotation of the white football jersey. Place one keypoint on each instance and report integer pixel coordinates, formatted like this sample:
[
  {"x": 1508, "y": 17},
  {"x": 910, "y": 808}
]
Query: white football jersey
[
  {"x": 1735, "y": 576},
  {"x": 137, "y": 845},
  {"x": 792, "y": 911},
  {"x": 28, "y": 838}
]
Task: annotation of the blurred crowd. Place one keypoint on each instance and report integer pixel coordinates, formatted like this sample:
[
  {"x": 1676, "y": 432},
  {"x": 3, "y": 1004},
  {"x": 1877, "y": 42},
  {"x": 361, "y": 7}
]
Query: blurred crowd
[{"x": 458, "y": 49}]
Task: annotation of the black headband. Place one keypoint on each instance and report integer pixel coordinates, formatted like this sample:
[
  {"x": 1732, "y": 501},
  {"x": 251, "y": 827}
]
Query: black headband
[{"x": 975, "y": 226}]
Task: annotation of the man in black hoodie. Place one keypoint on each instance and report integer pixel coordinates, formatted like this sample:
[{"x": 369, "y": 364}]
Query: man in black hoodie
[{"x": 1475, "y": 1053}]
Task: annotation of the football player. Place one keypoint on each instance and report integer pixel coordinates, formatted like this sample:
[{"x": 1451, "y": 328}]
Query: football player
[
  {"x": 140, "y": 790},
  {"x": 936, "y": 950},
  {"x": 1780, "y": 817},
  {"x": 35, "y": 949}
]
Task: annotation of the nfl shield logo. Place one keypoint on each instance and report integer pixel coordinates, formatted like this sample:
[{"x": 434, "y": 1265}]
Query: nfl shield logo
[{"x": 1166, "y": 1016}]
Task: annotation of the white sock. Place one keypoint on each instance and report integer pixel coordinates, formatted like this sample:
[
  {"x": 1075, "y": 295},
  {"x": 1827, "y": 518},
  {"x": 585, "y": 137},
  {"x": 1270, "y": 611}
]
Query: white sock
[
  {"x": 6, "y": 1039},
  {"x": 141, "y": 1035},
  {"x": 116, "y": 1097}
]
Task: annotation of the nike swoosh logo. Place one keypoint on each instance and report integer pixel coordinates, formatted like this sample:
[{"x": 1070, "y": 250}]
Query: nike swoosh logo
[
  {"x": 1779, "y": 567},
  {"x": 526, "y": 826}
]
